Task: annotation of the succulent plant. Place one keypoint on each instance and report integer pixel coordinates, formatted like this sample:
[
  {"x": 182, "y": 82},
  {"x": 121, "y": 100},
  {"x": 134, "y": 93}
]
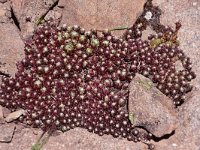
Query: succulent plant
[{"x": 72, "y": 78}]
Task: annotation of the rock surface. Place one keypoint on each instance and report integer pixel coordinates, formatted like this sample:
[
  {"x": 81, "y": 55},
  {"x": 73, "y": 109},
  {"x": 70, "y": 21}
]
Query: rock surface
[
  {"x": 14, "y": 115},
  {"x": 187, "y": 135},
  {"x": 189, "y": 116},
  {"x": 1, "y": 114},
  {"x": 3, "y": 1},
  {"x": 77, "y": 139},
  {"x": 151, "y": 109},
  {"x": 96, "y": 14},
  {"x": 110, "y": 14},
  {"x": 6, "y": 134},
  {"x": 29, "y": 13},
  {"x": 5, "y": 14},
  {"x": 11, "y": 50}
]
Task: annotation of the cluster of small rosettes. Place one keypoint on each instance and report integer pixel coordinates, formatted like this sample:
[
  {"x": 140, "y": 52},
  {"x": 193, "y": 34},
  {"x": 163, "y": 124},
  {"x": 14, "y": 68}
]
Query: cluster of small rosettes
[
  {"x": 72, "y": 78},
  {"x": 163, "y": 62}
]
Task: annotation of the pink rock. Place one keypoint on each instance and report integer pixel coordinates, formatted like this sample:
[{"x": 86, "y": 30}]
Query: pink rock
[
  {"x": 1, "y": 112},
  {"x": 28, "y": 13},
  {"x": 6, "y": 133},
  {"x": 101, "y": 14},
  {"x": 150, "y": 108},
  {"x": 3, "y": 1},
  {"x": 14, "y": 115},
  {"x": 11, "y": 48}
]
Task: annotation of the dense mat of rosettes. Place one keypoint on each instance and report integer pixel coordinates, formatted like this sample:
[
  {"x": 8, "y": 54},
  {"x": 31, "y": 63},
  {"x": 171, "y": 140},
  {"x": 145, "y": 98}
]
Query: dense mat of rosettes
[{"x": 72, "y": 78}]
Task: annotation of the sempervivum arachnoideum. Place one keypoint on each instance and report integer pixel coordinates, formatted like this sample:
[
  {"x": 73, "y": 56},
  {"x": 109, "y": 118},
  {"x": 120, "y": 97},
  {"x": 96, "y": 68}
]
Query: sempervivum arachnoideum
[{"x": 72, "y": 78}]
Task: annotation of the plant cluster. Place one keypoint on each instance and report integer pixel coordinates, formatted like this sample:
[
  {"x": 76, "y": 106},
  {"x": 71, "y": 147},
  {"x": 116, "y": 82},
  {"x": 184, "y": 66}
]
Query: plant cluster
[{"x": 72, "y": 78}]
